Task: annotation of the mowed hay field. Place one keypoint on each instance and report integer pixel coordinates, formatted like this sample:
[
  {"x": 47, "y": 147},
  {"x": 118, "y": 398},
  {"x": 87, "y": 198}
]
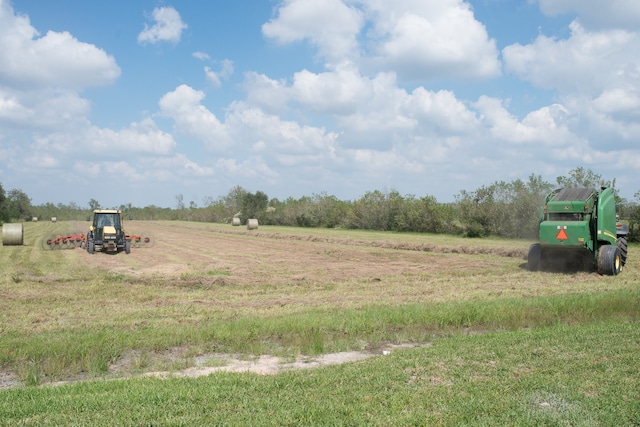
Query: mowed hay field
[{"x": 434, "y": 330}]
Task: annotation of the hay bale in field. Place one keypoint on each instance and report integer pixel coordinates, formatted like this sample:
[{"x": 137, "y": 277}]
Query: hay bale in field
[
  {"x": 12, "y": 234},
  {"x": 235, "y": 221},
  {"x": 34, "y": 219},
  {"x": 54, "y": 219},
  {"x": 252, "y": 224}
]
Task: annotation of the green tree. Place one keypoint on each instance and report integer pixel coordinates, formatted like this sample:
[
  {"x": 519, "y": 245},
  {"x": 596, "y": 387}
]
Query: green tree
[
  {"x": 18, "y": 204},
  {"x": 424, "y": 215},
  {"x": 327, "y": 211},
  {"x": 580, "y": 177},
  {"x": 633, "y": 214},
  {"x": 477, "y": 210},
  {"x": 234, "y": 199},
  {"x": 94, "y": 204},
  {"x": 376, "y": 211},
  {"x": 3, "y": 195},
  {"x": 291, "y": 212},
  {"x": 299, "y": 212},
  {"x": 521, "y": 202},
  {"x": 179, "y": 202},
  {"x": 586, "y": 178},
  {"x": 508, "y": 209},
  {"x": 4, "y": 213},
  {"x": 254, "y": 205}
]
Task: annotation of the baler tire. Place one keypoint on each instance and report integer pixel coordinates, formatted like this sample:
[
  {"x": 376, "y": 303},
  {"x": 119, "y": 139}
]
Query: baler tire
[
  {"x": 534, "y": 257},
  {"x": 622, "y": 244},
  {"x": 609, "y": 261}
]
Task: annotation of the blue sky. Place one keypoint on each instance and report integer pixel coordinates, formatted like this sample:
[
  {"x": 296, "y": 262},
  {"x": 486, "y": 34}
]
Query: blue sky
[{"x": 138, "y": 102}]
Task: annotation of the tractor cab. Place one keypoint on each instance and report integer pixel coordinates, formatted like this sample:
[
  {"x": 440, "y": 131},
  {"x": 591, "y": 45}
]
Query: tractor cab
[
  {"x": 106, "y": 233},
  {"x": 106, "y": 219}
]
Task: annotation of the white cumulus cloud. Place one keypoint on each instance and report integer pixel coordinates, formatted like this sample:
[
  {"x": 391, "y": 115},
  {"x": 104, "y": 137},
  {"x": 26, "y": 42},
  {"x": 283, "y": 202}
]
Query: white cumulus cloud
[
  {"x": 168, "y": 26},
  {"x": 28, "y": 60},
  {"x": 425, "y": 39},
  {"x": 597, "y": 14},
  {"x": 331, "y": 25},
  {"x": 193, "y": 119},
  {"x": 420, "y": 40},
  {"x": 216, "y": 77},
  {"x": 609, "y": 56}
]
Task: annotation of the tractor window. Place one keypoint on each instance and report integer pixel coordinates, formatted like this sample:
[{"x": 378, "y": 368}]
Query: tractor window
[
  {"x": 562, "y": 216},
  {"x": 105, "y": 220}
]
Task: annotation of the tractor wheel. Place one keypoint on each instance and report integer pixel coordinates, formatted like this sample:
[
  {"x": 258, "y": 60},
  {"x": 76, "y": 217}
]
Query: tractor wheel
[
  {"x": 534, "y": 257},
  {"x": 127, "y": 247},
  {"x": 622, "y": 245},
  {"x": 91, "y": 248},
  {"x": 609, "y": 260}
]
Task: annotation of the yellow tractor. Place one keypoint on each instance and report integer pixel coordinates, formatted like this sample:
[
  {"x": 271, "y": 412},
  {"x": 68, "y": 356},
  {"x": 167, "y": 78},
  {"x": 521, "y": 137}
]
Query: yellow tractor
[{"x": 106, "y": 233}]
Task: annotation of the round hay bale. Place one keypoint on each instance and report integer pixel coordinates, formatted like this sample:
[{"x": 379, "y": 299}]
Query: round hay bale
[
  {"x": 54, "y": 219},
  {"x": 235, "y": 221},
  {"x": 252, "y": 224},
  {"x": 34, "y": 219},
  {"x": 12, "y": 234}
]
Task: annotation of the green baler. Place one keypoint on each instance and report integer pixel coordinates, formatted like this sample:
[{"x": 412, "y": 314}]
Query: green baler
[{"x": 579, "y": 228}]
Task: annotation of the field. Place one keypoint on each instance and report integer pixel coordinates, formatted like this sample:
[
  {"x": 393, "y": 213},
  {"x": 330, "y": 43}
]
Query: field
[{"x": 424, "y": 329}]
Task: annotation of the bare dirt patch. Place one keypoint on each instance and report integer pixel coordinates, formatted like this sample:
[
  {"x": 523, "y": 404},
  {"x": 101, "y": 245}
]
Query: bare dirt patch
[
  {"x": 271, "y": 365},
  {"x": 8, "y": 380},
  {"x": 262, "y": 365},
  {"x": 209, "y": 364}
]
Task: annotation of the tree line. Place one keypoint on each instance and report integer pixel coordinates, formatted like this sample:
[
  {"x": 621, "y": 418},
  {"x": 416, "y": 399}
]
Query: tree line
[{"x": 505, "y": 209}]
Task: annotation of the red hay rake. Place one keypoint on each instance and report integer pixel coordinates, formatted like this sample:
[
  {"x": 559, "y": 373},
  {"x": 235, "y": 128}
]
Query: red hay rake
[
  {"x": 67, "y": 242},
  {"x": 80, "y": 240}
]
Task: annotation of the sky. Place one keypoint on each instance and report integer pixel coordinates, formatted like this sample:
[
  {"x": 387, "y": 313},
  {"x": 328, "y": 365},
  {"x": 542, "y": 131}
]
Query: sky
[{"x": 141, "y": 102}]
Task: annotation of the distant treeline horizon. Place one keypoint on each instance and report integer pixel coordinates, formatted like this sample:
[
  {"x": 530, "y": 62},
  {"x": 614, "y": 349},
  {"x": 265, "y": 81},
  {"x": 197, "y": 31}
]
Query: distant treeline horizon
[{"x": 504, "y": 209}]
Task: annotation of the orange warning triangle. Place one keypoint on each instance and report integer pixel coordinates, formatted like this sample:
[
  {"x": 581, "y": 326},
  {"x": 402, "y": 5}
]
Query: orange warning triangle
[{"x": 562, "y": 235}]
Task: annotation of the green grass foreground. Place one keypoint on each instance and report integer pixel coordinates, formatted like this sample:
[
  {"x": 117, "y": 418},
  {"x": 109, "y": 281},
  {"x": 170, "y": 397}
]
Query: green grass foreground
[{"x": 560, "y": 375}]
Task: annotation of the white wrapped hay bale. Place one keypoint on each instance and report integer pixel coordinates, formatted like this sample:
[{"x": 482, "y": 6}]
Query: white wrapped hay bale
[{"x": 12, "y": 234}]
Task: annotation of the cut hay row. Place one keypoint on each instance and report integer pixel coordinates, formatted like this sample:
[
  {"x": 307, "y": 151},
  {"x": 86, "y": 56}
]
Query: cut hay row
[{"x": 385, "y": 244}]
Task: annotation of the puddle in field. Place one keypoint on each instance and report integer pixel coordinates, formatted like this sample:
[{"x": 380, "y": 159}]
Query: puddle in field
[
  {"x": 263, "y": 365},
  {"x": 267, "y": 364},
  {"x": 212, "y": 363}
]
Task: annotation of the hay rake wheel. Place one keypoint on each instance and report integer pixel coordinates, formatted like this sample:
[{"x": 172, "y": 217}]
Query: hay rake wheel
[
  {"x": 65, "y": 242},
  {"x": 138, "y": 241}
]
